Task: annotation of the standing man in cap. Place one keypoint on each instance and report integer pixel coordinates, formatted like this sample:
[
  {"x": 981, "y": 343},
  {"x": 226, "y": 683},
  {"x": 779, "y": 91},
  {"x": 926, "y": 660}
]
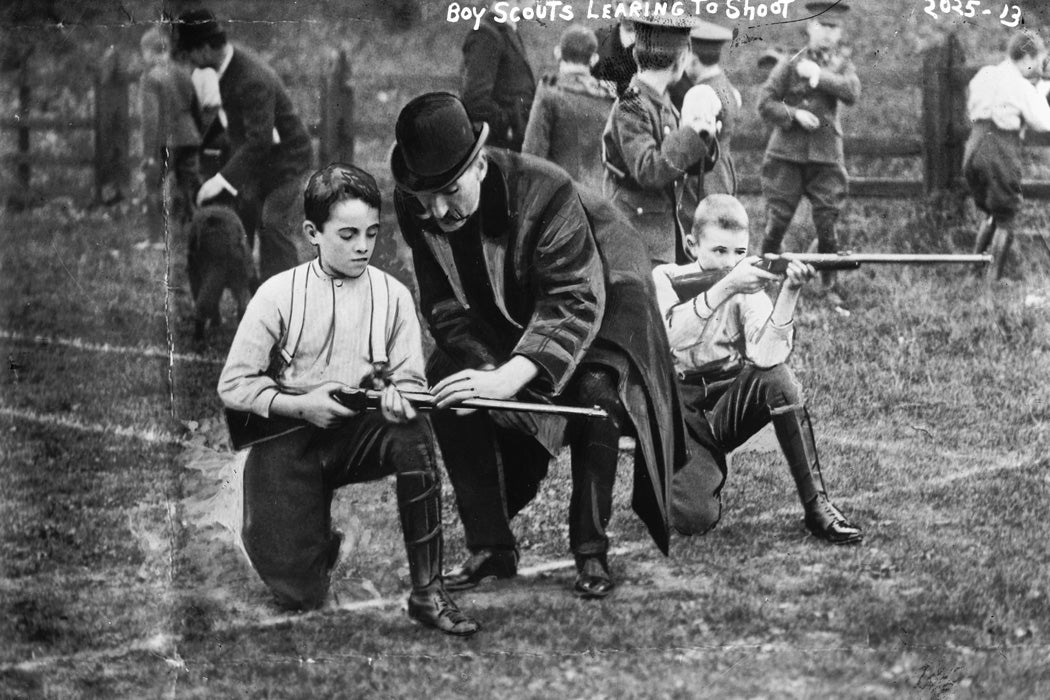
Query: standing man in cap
[
  {"x": 647, "y": 152},
  {"x": 498, "y": 85},
  {"x": 533, "y": 287},
  {"x": 616, "y": 63},
  {"x": 271, "y": 151},
  {"x": 706, "y": 40},
  {"x": 800, "y": 98}
]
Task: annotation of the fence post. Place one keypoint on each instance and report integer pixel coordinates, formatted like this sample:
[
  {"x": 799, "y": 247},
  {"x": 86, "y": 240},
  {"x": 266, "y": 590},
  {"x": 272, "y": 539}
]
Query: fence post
[
  {"x": 112, "y": 129},
  {"x": 337, "y": 112},
  {"x": 943, "y": 114}
]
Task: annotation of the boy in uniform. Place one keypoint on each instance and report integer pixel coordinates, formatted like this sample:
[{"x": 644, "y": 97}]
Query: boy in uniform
[
  {"x": 325, "y": 325},
  {"x": 800, "y": 98},
  {"x": 730, "y": 344},
  {"x": 1002, "y": 104},
  {"x": 647, "y": 151},
  {"x": 570, "y": 110}
]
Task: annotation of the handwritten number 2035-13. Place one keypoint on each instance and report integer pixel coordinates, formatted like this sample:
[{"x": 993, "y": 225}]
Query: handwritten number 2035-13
[{"x": 1010, "y": 16}]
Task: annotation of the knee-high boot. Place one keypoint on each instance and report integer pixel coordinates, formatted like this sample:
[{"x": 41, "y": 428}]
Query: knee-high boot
[
  {"x": 419, "y": 505},
  {"x": 823, "y": 519}
]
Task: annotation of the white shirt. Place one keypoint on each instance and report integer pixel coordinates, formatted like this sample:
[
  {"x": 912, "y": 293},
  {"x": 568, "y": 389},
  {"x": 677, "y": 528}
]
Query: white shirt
[
  {"x": 334, "y": 345},
  {"x": 1002, "y": 95},
  {"x": 739, "y": 329}
]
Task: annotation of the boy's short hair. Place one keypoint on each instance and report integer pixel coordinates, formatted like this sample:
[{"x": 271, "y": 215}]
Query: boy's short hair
[
  {"x": 578, "y": 44},
  {"x": 1024, "y": 43},
  {"x": 722, "y": 210},
  {"x": 336, "y": 183},
  {"x": 656, "y": 47},
  {"x": 155, "y": 40}
]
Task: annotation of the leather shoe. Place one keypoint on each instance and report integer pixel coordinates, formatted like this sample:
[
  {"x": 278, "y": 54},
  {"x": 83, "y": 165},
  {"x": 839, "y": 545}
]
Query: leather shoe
[
  {"x": 483, "y": 564},
  {"x": 435, "y": 608},
  {"x": 593, "y": 580},
  {"x": 827, "y": 522}
]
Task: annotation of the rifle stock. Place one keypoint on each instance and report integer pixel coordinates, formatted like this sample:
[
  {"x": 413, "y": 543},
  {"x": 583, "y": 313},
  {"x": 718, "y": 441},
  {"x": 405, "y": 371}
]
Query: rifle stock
[
  {"x": 692, "y": 284},
  {"x": 247, "y": 428}
]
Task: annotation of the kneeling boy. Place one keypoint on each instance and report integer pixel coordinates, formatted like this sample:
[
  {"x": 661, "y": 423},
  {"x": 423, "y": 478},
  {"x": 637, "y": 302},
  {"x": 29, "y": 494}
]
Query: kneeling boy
[
  {"x": 730, "y": 344},
  {"x": 308, "y": 332}
]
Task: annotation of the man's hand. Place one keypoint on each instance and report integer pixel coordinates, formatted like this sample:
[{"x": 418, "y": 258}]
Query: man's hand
[
  {"x": 808, "y": 70},
  {"x": 503, "y": 382},
  {"x": 807, "y": 120},
  {"x": 395, "y": 407},
  {"x": 211, "y": 189},
  {"x": 316, "y": 406},
  {"x": 798, "y": 274}
]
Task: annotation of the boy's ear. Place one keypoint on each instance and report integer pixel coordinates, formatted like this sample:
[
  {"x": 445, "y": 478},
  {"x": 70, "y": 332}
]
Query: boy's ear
[
  {"x": 311, "y": 231},
  {"x": 557, "y": 53},
  {"x": 594, "y": 59}
]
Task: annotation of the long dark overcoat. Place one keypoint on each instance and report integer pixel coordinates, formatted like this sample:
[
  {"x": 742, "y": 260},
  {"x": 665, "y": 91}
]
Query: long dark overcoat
[{"x": 568, "y": 270}]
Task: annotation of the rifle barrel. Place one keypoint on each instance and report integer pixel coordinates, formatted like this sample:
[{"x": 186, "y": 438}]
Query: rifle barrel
[
  {"x": 890, "y": 258},
  {"x": 425, "y": 401}
]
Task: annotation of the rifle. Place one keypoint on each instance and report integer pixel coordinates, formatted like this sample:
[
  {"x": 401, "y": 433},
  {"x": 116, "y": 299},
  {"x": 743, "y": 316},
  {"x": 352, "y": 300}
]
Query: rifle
[
  {"x": 247, "y": 428},
  {"x": 692, "y": 284}
]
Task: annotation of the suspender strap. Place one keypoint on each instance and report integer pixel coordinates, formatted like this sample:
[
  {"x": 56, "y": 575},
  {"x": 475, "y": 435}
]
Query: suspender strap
[
  {"x": 296, "y": 315},
  {"x": 377, "y": 340}
]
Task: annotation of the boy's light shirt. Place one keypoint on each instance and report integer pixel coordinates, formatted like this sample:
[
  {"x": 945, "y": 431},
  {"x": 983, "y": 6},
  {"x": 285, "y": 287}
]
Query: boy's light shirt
[
  {"x": 1003, "y": 96},
  {"x": 334, "y": 345},
  {"x": 738, "y": 329}
]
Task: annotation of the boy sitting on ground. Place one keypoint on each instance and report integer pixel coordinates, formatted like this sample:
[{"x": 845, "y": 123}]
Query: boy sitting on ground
[
  {"x": 730, "y": 344},
  {"x": 326, "y": 325}
]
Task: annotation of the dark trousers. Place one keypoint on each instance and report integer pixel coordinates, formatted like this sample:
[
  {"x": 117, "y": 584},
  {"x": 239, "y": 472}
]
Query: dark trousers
[
  {"x": 783, "y": 185},
  {"x": 496, "y": 470},
  {"x": 720, "y": 418},
  {"x": 177, "y": 181},
  {"x": 288, "y": 486}
]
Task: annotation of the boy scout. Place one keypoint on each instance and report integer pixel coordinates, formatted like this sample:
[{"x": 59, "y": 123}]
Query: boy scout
[
  {"x": 324, "y": 325},
  {"x": 730, "y": 344},
  {"x": 647, "y": 152},
  {"x": 800, "y": 98}
]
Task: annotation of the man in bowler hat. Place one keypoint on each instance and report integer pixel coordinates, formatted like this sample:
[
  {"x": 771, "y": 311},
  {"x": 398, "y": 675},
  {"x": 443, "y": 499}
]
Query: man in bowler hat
[
  {"x": 533, "y": 287},
  {"x": 271, "y": 151}
]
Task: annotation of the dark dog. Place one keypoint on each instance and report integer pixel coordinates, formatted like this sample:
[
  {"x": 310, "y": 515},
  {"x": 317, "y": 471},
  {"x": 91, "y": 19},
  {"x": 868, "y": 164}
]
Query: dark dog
[{"x": 218, "y": 260}]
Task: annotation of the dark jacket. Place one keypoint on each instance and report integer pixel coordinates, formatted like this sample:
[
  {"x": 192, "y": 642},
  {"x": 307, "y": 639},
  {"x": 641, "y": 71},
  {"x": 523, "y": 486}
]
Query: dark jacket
[
  {"x": 256, "y": 102},
  {"x": 498, "y": 85},
  {"x": 647, "y": 155},
  {"x": 565, "y": 126},
  {"x": 615, "y": 63},
  {"x": 785, "y": 91},
  {"x": 569, "y": 273},
  {"x": 722, "y": 178}
]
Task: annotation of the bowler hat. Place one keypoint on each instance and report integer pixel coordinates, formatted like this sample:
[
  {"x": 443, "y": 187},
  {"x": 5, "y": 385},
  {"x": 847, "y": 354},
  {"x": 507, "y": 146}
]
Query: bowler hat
[
  {"x": 435, "y": 142},
  {"x": 194, "y": 28},
  {"x": 709, "y": 31}
]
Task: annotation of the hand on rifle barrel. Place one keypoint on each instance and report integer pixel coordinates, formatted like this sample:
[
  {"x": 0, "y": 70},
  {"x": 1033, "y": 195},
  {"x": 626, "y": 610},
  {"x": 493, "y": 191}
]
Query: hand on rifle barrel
[
  {"x": 316, "y": 406},
  {"x": 395, "y": 407},
  {"x": 798, "y": 274},
  {"x": 746, "y": 277},
  {"x": 488, "y": 382}
]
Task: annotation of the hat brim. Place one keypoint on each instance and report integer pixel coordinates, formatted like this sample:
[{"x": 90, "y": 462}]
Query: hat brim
[
  {"x": 190, "y": 43},
  {"x": 426, "y": 184}
]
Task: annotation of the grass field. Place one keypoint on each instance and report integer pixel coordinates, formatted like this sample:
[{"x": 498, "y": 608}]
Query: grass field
[{"x": 121, "y": 576}]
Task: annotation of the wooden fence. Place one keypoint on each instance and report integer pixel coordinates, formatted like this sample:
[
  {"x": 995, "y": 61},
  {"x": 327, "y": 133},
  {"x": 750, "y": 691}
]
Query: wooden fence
[{"x": 943, "y": 79}]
